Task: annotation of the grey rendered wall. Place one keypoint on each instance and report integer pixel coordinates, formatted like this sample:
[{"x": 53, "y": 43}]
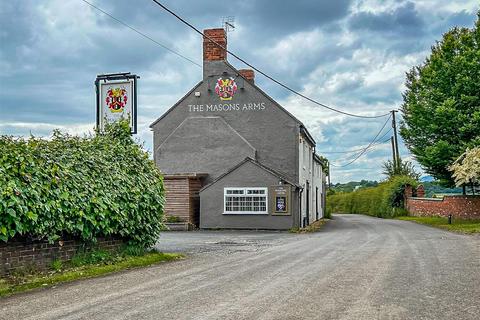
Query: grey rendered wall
[
  {"x": 271, "y": 131},
  {"x": 247, "y": 175},
  {"x": 211, "y": 144}
]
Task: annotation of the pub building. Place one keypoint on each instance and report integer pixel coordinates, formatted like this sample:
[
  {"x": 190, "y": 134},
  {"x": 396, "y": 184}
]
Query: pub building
[{"x": 232, "y": 157}]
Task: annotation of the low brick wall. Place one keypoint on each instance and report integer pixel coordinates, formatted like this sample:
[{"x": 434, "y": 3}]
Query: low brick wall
[
  {"x": 39, "y": 255},
  {"x": 464, "y": 207}
]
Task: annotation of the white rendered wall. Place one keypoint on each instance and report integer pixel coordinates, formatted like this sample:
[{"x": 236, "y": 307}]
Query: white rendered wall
[{"x": 311, "y": 171}]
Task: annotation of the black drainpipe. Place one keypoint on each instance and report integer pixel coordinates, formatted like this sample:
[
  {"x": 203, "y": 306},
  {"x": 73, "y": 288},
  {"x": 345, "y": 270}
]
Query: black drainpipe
[{"x": 300, "y": 206}]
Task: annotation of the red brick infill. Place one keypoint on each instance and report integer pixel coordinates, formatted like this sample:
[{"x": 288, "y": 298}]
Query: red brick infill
[{"x": 40, "y": 255}]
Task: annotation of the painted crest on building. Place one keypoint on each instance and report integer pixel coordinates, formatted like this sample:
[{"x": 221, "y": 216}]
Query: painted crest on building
[
  {"x": 225, "y": 88},
  {"x": 116, "y": 99}
]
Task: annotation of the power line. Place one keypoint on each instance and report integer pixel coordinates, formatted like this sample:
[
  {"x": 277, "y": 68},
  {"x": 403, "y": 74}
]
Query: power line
[
  {"x": 142, "y": 34},
  {"x": 356, "y": 150},
  {"x": 365, "y": 149},
  {"x": 260, "y": 71}
]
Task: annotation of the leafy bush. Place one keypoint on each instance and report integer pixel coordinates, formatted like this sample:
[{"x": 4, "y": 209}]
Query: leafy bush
[
  {"x": 384, "y": 201},
  {"x": 80, "y": 187}
]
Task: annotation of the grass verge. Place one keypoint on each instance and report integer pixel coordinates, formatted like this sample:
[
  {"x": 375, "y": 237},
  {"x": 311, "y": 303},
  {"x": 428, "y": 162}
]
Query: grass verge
[
  {"x": 458, "y": 225},
  {"x": 25, "y": 282},
  {"x": 314, "y": 227}
]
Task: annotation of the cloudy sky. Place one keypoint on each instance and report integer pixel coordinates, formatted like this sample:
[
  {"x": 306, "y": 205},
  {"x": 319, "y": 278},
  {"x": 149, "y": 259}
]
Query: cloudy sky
[{"x": 352, "y": 55}]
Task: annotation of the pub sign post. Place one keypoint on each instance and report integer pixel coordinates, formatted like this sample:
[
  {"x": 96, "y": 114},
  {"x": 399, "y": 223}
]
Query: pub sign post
[{"x": 116, "y": 97}]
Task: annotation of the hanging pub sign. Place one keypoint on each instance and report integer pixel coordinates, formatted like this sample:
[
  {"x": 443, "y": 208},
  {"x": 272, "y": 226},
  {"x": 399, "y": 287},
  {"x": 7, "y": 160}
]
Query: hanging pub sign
[{"x": 116, "y": 99}]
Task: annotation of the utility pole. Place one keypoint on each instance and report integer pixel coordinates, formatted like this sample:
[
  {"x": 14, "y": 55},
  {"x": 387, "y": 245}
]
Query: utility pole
[
  {"x": 393, "y": 154},
  {"x": 395, "y": 140}
]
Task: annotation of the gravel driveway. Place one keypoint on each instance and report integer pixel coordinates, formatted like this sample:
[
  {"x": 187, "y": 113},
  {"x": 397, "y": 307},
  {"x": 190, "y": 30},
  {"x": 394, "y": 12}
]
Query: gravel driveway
[{"x": 357, "y": 267}]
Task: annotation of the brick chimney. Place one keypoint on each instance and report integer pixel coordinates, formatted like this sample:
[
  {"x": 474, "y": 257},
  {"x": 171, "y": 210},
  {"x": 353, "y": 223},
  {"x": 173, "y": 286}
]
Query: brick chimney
[
  {"x": 211, "y": 51},
  {"x": 248, "y": 74}
]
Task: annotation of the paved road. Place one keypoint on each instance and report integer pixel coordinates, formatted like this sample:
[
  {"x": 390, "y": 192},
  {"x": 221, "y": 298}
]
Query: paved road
[{"x": 356, "y": 268}]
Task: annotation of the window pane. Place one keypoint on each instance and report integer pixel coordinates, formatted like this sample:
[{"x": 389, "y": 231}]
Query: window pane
[
  {"x": 234, "y": 191},
  {"x": 245, "y": 200}
]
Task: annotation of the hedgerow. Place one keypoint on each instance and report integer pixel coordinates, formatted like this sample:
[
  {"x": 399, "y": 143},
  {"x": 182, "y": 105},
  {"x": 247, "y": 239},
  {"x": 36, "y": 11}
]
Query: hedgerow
[
  {"x": 83, "y": 187},
  {"x": 384, "y": 201}
]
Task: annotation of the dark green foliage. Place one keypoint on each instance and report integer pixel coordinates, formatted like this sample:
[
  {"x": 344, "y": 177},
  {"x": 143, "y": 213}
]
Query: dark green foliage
[
  {"x": 91, "y": 256},
  {"x": 56, "y": 265},
  {"x": 80, "y": 187},
  {"x": 406, "y": 168},
  {"x": 133, "y": 250},
  {"x": 384, "y": 201},
  {"x": 441, "y": 108}
]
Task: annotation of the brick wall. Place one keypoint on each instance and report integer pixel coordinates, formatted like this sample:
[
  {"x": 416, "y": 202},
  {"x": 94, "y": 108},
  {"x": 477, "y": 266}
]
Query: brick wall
[
  {"x": 248, "y": 74},
  {"x": 211, "y": 51},
  {"x": 39, "y": 255},
  {"x": 464, "y": 207}
]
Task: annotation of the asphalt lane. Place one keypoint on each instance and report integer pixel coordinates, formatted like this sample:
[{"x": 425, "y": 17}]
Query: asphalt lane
[{"x": 357, "y": 267}]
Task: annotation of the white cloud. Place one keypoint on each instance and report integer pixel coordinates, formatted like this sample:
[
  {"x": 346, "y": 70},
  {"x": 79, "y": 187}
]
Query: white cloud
[{"x": 55, "y": 48}]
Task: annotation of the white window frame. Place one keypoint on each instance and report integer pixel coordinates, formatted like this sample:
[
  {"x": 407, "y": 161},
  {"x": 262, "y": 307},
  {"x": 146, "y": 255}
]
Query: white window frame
[{"x": 245, "y": 194}]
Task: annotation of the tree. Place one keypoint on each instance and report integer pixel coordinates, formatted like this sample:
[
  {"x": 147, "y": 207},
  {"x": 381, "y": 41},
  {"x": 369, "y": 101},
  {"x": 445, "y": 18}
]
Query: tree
[
  {"x": 466, "y": 169},
  {"x": 441, "y": 106},
  {"x": 406, "y": 168}
]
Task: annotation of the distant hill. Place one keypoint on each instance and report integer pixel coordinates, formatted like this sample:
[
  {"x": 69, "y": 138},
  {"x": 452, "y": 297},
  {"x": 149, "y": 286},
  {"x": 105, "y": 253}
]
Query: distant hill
[
  {"x": 431, "y": 186},
  {"x": 427, "y": 179},
  {"x": 353, "y": 185}
]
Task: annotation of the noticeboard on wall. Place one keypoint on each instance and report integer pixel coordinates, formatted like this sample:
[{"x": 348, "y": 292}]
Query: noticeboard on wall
[
  {"x": 280, "y": 196},
  {"x": 116, "y": 99}
]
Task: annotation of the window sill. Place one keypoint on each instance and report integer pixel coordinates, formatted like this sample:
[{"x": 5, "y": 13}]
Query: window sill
[{"x": 245, "y": 212}]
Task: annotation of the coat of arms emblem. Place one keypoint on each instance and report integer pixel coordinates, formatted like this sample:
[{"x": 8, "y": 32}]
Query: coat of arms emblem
[
  {"x": 225, "y": 88},
  {"x": 116, "y": 99}
]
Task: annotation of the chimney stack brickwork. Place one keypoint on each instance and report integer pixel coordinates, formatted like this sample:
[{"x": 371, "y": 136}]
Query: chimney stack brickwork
[
  {"x": 211, "y": 51},
  {"x": 248, "y": 74}
]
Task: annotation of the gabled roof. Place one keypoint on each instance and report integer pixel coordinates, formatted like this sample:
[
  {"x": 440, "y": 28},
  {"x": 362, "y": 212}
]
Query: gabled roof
[
  {"x": 317, "y": 158},
  {"x": 258, "y": 164},
  {"x": 176, "y": 104},
  {"x": 266, "y": 95},
  {"x": 252, "y": 84}
]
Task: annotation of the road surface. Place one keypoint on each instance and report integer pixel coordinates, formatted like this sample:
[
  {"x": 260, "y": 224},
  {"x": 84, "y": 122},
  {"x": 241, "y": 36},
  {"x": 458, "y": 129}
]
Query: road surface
[{"x": 358, "y": 267}]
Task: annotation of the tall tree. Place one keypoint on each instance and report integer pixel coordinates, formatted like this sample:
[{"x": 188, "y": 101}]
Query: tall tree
[{"x": 441, "y": 106}]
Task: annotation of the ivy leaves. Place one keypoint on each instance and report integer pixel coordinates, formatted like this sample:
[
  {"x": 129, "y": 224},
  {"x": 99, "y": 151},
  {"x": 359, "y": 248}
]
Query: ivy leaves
[{"x": 82, "y": 187}]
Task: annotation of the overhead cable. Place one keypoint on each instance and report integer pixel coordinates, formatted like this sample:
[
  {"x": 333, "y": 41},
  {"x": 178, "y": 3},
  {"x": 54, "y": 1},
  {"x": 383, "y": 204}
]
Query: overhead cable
[
  {"x": 261, "y": 72},
  {"x": 142, "y": 34},
  {"x": 364, "y": 149}
]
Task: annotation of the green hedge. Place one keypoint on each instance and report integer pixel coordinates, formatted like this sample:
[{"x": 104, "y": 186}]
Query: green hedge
[
  {"x": 83, "y": 187},
  {"x": 384, "y": 201}
]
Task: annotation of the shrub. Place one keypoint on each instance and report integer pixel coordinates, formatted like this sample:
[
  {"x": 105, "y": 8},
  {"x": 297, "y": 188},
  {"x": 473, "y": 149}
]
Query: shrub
[
  {"x": 384, "y": 201},
  {"x": 56, "y": 265},
  {"x": 83, "y": 187},
  {"x": 91, "y": 256}
]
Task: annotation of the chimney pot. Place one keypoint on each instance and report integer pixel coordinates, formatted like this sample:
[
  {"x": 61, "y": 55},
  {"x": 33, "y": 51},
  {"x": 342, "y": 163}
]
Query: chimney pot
[{"x": 248, "y": 74}]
